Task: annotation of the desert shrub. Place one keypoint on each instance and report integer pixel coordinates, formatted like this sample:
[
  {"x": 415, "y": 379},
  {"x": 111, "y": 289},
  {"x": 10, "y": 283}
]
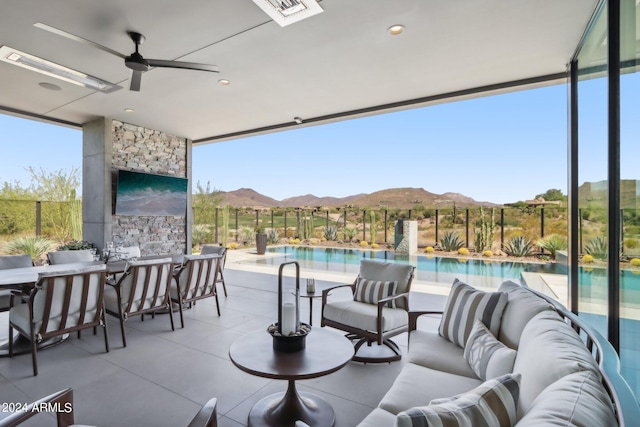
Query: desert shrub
[
  {"x": 597, "y": 247},
  {"x": 247, "y": 234},
  {"x": 364, "y": 244},
  {"x": 232, "y": 245},
  {"x": 76, "y": 245},
  {"x": 635, "y": 262},
  {"x": 519, "y": 246},
  {"x": 429, "y": 249},
  {"x": 35, "y": 246},
  {"x": 273, "y": 237},
  {"x": 199, "y": 234},
  {"x": 553, "y": 243},
  {"x": 631, "y": 243},
  {"x": 463, "y": 251},
  {"x": 451, "y": 241},
  {"x": 331, "y": 233},
  {"x": 374, "y": 246},
  {"x": 487, "y": 253},
  {"x": 587, "y": 259},
  {"x": 350, "y": 233}
]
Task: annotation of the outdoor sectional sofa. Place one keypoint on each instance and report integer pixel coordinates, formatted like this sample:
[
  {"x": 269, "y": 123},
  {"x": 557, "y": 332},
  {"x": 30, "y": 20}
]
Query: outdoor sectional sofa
[{"x": 546, "y": 367}]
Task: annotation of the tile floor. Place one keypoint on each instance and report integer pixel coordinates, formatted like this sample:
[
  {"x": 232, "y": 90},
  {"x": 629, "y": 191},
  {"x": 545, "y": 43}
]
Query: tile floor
[{"x": 162, "y": 377}]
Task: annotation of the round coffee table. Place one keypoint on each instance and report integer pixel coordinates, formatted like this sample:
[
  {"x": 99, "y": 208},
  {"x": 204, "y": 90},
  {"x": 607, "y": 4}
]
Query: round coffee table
[{"x": 325, "y": 352}]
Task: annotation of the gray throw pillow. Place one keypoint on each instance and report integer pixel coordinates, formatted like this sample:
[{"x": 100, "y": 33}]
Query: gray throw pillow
[{"x": 487, "y": 356}]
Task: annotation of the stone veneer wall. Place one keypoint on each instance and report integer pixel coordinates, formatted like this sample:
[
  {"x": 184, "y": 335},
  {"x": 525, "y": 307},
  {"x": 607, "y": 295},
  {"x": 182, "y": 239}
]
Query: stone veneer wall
[{"x": 139, "y": 149}]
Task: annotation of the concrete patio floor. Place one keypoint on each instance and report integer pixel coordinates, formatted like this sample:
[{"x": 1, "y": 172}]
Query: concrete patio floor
[{"x": 162, "y": 377}]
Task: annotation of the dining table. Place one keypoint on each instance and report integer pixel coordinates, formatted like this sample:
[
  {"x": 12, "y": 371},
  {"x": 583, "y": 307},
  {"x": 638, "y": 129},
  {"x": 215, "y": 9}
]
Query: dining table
[{"x": 22, "y": 279}]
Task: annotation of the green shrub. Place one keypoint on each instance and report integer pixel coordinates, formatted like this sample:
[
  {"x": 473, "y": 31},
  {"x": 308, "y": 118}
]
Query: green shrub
[
  {"x": 273, "y": 237},
  {"x": 350, "y": 233},
  {"x": 331, "y": 233},
  {"x": 597, "y": 247},
  {"x": 631, "y": 243},
  {"x": 199, "y": 234},
  {"x": 451, "y": 241},
  {"x": 553, "y": 243},
  {"x": 635, "y": 262},
  {"x": 35, "y": 246},
  {"x": 519, "y": 246},
  {"x": 76, "y": 245}
]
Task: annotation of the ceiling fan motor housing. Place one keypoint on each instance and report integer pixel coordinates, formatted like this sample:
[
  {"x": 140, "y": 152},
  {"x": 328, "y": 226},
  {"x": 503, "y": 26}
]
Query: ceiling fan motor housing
[{"x": 136, "y": 62}]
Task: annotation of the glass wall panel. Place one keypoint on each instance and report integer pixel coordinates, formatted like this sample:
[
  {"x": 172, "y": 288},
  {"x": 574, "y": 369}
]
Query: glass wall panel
[
  {"x": 630, "y": 193},
  {"x": 592, "y": 174}
]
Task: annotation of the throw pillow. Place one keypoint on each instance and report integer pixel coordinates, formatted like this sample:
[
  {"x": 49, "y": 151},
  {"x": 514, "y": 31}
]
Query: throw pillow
[
  {"x": 464, "y": 306},
  {"x": 372, "y": 291},
  {"x": 487, "y": 356},
  {"x": 491, "y": 404}
]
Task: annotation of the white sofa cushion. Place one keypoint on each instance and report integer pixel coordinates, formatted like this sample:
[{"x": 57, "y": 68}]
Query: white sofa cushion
[
  {"x": 378, "y": 418},
  {"x": 417, "y": 386},
  {"x": 429, "y": 349},
  {"x": 522, "y": 305},
  {"x": 577, "y": 399},
  {"x": 487, "y": 356},
  {"x": 464, "y": 306},
  {"x": 492, "y": 404},
  {"x": 549, "y": 350},
  {"x": 364, "y": 316},
  {"x": 372, "y": 291}
]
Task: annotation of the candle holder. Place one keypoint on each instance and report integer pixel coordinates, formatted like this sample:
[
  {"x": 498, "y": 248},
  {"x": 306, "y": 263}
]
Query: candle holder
[{"x": 289, "y": 334}]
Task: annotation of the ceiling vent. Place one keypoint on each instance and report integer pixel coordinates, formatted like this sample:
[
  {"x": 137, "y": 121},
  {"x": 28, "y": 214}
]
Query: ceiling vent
[{"x": 286, "y": 12}]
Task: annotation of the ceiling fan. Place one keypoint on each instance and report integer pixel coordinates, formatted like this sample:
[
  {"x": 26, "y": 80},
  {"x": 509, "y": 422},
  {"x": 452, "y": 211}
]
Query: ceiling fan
[{"x": 134, "y": 61}]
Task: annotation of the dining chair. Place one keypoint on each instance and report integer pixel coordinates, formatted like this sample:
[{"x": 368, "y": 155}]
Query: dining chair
[
  {"x": 142, "y": 288},
  {"x": 222, "y": 251},
  {"x": 60, "y": 303},
  {"x": 69, "y": 257},
  {"x": 195, "y": 279},
  {"x": 376, "y": 310},
  {"x": 62, "y": 403},
  {"x": 7, "y": 262}
]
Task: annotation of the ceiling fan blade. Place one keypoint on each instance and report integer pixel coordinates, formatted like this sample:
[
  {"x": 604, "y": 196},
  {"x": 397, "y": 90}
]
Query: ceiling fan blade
[
  {"x": 180, "y": 64},
  {"x": 63, "y": 33},
  {"x": 136, "y": 76}
]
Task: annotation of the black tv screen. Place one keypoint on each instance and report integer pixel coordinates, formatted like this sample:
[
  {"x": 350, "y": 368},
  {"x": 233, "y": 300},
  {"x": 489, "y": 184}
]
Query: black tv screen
[{"x": 146, "y": 194}]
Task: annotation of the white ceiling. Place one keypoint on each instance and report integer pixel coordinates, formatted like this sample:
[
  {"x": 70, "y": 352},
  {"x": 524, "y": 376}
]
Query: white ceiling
[{"x": 335, "y": 65}]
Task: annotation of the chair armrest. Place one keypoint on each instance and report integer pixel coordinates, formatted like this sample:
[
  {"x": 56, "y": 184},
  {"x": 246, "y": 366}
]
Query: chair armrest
[
  {"x": 64, "y": 410},
  {"x": 413, "y": 317},
  {"x": 381, "y": 304},
  {"x": 207, "y": 416},
  {"x": 325, "y": 292}
]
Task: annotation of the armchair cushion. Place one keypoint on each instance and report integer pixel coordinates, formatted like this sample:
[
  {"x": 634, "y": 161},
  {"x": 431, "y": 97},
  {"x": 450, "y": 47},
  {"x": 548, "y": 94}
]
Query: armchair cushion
[
  {"x": 387, "y": 271},
  {"x": 429, "y": 349},
  {"x": 464, "y": 306},
  {"x": 493, "y": 403},
  {"x": 487, "y": 356},
  {"x": 372, "y": 291},
  {"x": 364, "y": 316}
]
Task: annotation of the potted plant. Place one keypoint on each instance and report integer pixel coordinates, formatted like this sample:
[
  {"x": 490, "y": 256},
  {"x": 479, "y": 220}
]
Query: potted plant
[{"x": 261, "y": 240}]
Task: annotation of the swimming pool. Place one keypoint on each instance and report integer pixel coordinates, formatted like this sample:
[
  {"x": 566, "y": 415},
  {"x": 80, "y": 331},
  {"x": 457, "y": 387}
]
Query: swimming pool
[{"x": 434, "y": 269}]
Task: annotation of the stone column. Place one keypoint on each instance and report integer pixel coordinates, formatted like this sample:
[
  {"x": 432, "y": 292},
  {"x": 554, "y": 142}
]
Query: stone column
[{"x": 406, "y": 237}]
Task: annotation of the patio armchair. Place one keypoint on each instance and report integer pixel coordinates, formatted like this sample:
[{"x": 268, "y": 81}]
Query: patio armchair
[
  {"x": 58, "y": 304},
  {"x": 70, "y": 257},
  {"x": 195, "y": 279},
  {"x": 7, "y": 262},
  {"x": 142, "y": 288},
  {"x": 377, "y": 310},
  {"x": 222, "y": 251}
]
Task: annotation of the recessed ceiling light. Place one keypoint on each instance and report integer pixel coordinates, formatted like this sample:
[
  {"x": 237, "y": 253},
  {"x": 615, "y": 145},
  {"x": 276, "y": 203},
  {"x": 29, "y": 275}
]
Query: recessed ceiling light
[
  {"x": 51, "y": 69},
  {"x": 394, "y": 30},
  {"x": 50, "y": 86},
  {"x": 129, "y": 110},
  {"x": 224, "y": 82}
]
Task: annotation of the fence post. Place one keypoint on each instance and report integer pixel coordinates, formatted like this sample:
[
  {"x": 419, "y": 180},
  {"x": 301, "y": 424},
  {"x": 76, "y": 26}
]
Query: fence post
[
  {"x": 272, "y": 219},
  {"x": 580, "y": 229},
  {"x": 327, "y": 222},
  {"x": 364, "y": 224},
  {"x": 466, "y": 231},
  {"x": 437, "y": 213},
  {"x": 216, "y": 227},
  {"x": 38, "y": 218},
  {"x": 237, "y": 229},
  {"x": 285, "y": 223},
  {"x": 542, "y": 221},
  {"x": 501, "y": 228},
  {"x": 257, "y": 219},
  {"x": 409, "y": 214},
  {"x": 386, "y": 223},
  {"x": 345, "y": 224}
]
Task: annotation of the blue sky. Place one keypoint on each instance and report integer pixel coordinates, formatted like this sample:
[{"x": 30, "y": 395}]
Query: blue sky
[{"x": 498, "y": 149}]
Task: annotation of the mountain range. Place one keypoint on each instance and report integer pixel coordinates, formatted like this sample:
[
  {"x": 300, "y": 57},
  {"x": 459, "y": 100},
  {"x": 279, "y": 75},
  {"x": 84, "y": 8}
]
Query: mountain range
[{"x": 400, "y": 198}]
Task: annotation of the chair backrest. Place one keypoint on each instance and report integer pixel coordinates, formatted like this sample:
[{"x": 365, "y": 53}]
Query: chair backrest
[
  {"x": 214, "y": 249},
  {"x": 68, "y": 300},
  {"x": 15, "y": 261},
  {"x": 128, "y": 252},
  {"x": 387, "y": 271},
  {"x": 207, "y": 416},
  {"x": 69, "y": 257},
  {"x": 145, "y": 285},
  {"x": 197, "y": 277}
]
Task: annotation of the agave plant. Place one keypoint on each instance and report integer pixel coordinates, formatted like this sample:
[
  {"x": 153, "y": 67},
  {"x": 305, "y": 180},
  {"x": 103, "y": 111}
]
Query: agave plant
[
  {"x": 519, "y": 246},
  {"x": 273, "y": 237},
  {"x": 597, "y": 247},
  {"x": 331, "y": 233},
  {"x": 451, "y": 241},
  {"x": 553, "y": 243},
  {"x": 35, "y": 246}
]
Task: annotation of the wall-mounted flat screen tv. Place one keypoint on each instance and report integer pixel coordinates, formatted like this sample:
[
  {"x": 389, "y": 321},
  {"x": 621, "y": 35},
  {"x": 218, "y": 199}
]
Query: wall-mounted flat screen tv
[{"x": 146, "y": 194}]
